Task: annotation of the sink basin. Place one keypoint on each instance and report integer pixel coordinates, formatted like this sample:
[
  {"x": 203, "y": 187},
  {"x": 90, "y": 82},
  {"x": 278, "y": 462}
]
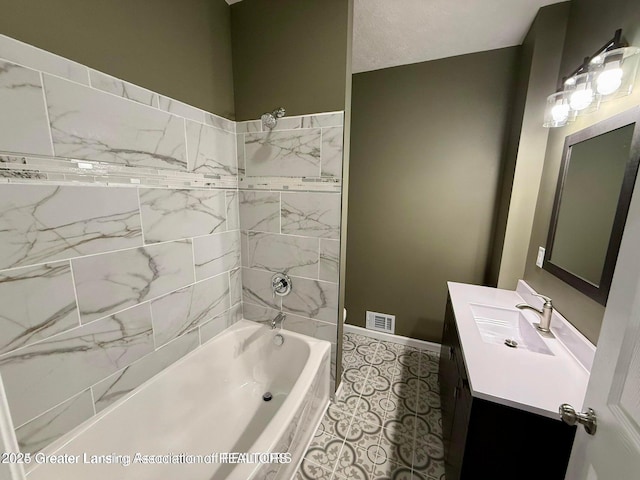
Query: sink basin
[{"x": 497, "y": 324}]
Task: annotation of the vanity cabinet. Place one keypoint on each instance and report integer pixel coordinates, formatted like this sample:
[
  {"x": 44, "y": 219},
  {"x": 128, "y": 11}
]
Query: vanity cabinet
[{"x": 484, "y": 439}]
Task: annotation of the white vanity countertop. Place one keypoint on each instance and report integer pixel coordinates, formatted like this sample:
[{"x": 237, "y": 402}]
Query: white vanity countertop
[{"x": 517, "y": 377}]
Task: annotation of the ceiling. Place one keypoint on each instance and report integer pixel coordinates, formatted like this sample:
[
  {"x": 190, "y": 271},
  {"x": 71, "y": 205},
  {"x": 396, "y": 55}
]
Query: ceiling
[{"x": 388, "y": 33}]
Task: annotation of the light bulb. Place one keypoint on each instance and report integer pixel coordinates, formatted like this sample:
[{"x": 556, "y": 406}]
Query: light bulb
[
  {"x": 560, "y": 112},
  {"x": 581, "y": 98},
  {"x": 609, "y": 81}
]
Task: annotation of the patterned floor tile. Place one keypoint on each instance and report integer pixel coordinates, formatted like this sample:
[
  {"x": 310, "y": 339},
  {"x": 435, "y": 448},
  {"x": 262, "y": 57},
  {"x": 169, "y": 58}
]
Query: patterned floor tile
[
  {"x": 386, "y": 421},
  {"x": 407, "y": 390},
  {"x": 352, "y": 360},
  {"x": 432, "y": 381},
  {"x": 409, "y": 356},
  {"x": 387, "y": 470},
  {"x": 324, "y": 451},
  {"x": 434, "y": 420},
  {"x": 433, "y": 470},
  {"x": 352, "y": 374},
  {"x": 427, "y": 402},
  {"x": 407, "y": 386},
  {"x": 390, "y": 369},
  {"x": 362, "y": 386},
  {"x": 399, "y": 451},
  {"x": 367, "y": 410},
  {"x": 362, "y": 339},
  {"x": 379, "y": 403},
  {"x": 348, "y": 344},
  {"x": 335, "y": 422},
  {"x": 428, "y": 456},
  {"x": 406, "y": 372},
  {"x": 391, "y": 345},
  {"x": 429, "y": 363},
  {"x": 367, "y": 351},
  {"x": 320, "y": 443},
  {"x": 428, "y": 448},
  {"x": 397, "y": 408},
  {"x": 348, "y": 405},
  {"x": 386, "y": 352},
  {"x": 363, "y": 434},
  {"x": 400, "y": 429},
  {"x": 421, "y": 427},
  {"x": 310, "y": 471},
  {"x": 378, "y": 381},
  {"x": 415, "y": 475},
  {"x": 375, "y": 371},
  {"x": 396, "y": 347},
  {"x": 346, "y": 390},
  {"x": 356, "y": 463},
  {"x": 376, "y": 359},
  {"x": 411, "y": 360}
]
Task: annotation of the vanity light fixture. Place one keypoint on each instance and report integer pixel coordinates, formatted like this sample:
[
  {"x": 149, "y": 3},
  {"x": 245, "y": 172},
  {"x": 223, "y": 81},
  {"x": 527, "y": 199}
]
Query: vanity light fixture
[
  {"x": 616, "y": 72},
  {"x": 609, "y": 74},
  {"x": 581, "y": 93},
  {"x": 558, "y": 109}
]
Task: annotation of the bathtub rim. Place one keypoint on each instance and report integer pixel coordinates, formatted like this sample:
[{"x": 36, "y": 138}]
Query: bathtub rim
[
  {"x": 302, "y": 385},
  {"x": 317, "y": 349}
]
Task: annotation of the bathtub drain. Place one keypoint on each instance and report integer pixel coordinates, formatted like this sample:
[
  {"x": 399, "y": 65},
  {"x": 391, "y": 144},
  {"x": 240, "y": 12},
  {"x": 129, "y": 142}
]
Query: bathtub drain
[{"x": 267, "y": 397}]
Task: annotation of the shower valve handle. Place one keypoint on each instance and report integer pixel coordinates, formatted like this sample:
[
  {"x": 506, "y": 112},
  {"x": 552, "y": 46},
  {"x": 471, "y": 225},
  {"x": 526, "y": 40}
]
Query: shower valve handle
[{"x": 280, "y": 285}]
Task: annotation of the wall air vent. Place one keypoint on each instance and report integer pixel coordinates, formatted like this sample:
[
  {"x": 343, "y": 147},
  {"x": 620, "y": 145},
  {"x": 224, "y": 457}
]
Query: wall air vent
[{"x": 381, "y": 322}]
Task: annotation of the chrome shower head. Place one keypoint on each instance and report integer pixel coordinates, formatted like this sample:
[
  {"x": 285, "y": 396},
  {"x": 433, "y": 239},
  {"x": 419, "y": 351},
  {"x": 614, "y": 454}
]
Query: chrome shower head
[{"x": 270, "y": 120}]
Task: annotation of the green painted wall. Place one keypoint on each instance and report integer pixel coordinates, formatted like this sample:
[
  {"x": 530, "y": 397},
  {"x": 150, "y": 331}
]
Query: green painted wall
[
  {"x": 181, "y": 49},
  {"x": 591, "y": 24},
  {"x": 537, "y": 76},
  {"x": 427, "y": 146},
  {"x": 290, "y": 53}
]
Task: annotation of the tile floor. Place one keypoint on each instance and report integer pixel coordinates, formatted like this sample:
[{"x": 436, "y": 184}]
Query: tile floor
[{"x": 385, "y": 422}]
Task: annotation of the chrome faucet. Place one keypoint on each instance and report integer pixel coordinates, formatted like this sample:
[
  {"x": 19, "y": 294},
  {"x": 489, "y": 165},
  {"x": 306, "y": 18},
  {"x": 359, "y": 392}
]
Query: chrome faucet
[
  {"x": 545, "y": 313},
  {"x": 278, "y": 319}
]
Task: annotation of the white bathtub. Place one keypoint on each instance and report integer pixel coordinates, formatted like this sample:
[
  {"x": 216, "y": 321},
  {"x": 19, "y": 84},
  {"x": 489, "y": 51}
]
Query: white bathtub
[{"x": 208, "y": 402}]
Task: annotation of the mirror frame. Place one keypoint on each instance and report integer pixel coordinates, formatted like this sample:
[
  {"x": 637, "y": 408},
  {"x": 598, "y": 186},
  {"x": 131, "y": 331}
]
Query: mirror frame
[{"x": 599, "y": 292}]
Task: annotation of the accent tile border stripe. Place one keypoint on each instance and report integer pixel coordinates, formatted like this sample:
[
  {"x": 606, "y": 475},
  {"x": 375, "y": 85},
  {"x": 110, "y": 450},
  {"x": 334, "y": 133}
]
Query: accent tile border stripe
[{"x": 15, "y": 168}]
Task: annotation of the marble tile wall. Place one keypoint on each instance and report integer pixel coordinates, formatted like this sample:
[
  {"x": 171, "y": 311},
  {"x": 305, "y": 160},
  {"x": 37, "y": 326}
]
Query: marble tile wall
[
  {"x": 134, "y": 228},
  {"x": 119, "y": 237},
  {"x": 295, "y": 232},
  {"x": 91, "y": 305},
  {"x": 61, "y": 121},
  {"x": 305, "y": 146}
]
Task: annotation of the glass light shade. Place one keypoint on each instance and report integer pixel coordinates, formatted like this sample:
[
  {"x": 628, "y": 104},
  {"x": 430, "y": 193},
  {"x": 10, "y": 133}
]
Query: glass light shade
[
  {"x": 581, "y": 93},
  {"x": 558, "y": 112},
  {"x": 615, "y": 72}
]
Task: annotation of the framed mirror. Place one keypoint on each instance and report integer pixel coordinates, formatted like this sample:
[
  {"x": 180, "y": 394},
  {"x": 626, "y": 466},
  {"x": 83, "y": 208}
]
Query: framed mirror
[{"x": 597, "y": 175}]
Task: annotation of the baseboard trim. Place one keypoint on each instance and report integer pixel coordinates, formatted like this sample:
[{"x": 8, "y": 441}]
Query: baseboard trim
[{"x": 410, "y": 342}]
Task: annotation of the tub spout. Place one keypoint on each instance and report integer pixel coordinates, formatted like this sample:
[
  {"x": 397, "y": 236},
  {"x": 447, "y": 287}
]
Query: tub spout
[{"x": 278, "y": 319}]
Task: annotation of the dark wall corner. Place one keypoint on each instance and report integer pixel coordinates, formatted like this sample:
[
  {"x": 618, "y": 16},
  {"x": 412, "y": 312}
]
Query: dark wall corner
[
  {"x": 293, "y": 56},
  {"x": 511, "y": 138}
]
